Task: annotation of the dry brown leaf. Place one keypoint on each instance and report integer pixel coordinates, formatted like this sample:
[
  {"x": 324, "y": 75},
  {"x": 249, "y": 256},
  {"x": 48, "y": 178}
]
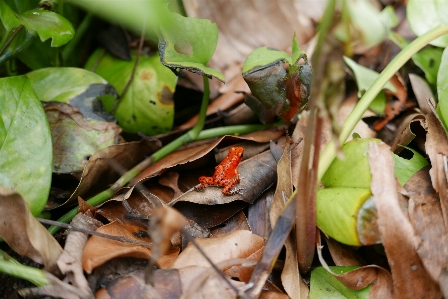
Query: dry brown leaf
[
  {"x": 70, "y": 260},
  {"x": 409, "y": 277},
  {"x": 437, "y": 149},
  {"x": 246, "y": 25},
  {"x": 236, "y": 222},
  {"x": 197, "y": 150},
  {"x": 258, "y": 214},
  {"x": 426, "y": 217},
  {"x": 298, "y": 135},
  {"x": 239, "y": 244},
  {"x": 343, "y": 255},
  {"x": 225, "y": 101},
  {"x": 99, "y": 172},
  {"x": 205, "y": 207},
  {"x": 404, "y": 134},
  {"x": 422, "y": 92},
  {"x": 24, "y": 234},
  {"x": 99, "y": 250}
]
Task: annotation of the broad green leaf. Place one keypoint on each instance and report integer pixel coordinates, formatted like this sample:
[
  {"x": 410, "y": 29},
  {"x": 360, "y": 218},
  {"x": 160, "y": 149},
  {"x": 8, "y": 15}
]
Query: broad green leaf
[
  {"x": 428, "y": 59},
  {"x": 76, "y": 135},
  {"x": 148, "y": 105},
  {"x": 370, "y": 24},
  {"x": 182, "y": 44},
  {"x": 442, "y": 89},
  {"x": 364, "y": 79},
  {"x": 337, "y": 212},
  {"x": 405, "y": 169},
  {"x": 25, "y": 143},
  {"x": 46, "y": 23},
  {"x": 425, "y": 15},
  {"x": 186, "y": 43},
  {"x": 323, "y": 285},
  {"x": 353, "y": 171},
  {"x": 263, "y": 57}
]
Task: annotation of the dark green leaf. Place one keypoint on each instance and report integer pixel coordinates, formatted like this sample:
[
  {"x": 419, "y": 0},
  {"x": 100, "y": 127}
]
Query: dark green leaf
[
  {"x": 324, "y": 285},
  {"x": 405, "y": 169},
  {"x": 262, "y": 58},
  {"x": 26, "y": 149},
  {"x": 148, "y": 105}
]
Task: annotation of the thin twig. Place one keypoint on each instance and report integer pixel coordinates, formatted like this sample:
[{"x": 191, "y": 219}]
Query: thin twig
[{"x": 94, "y": 233}]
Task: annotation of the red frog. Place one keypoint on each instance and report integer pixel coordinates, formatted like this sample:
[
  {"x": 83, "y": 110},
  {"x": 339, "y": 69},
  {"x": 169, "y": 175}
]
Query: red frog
[{"x": 226, "y": 173}]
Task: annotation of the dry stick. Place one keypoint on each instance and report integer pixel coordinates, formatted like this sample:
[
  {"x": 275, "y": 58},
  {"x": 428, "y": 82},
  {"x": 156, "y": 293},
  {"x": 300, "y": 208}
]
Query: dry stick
[
  {"x": 94, "y": 233},
  {"x": 140, "y": 46}
]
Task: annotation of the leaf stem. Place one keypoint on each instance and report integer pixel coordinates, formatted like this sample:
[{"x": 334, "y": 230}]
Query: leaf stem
[
  {"x": 10, "y": 266},
  {"x": 82, "y": 28},
  {"x": 329, "y": 152}
]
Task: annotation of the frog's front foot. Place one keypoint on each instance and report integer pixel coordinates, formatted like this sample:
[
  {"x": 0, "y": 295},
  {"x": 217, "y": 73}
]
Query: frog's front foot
[
  {"x": 234, "y": 191},
  {"x": 199, "y": 187}
]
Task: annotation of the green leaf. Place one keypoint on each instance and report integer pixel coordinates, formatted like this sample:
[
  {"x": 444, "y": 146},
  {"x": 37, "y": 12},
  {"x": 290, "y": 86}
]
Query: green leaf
[
  {"x": 405, "y": 169},
  {"x": 25, "y": 143},
  {"x": 367, "y": 21},
  {"x": 424, "y": 16},
  {"x": 364, "y": 79},
  {"x": 182, "y": 44},
  {"x": 48, "y": 25},
  {"x": 262, "y": 58},
  {"x": 324, "y": 285},
  {"x": 148, "y": 105},
  {"x": 427, "y": 59},
  {"x": 296, "y": 52},
  {"x": 353, "y": 171},
  {"x": 442, "y": 89},
  {"x": 337, "y": 212}
]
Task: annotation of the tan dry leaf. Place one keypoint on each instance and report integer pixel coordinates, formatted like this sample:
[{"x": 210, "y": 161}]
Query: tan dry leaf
[
  {"x": 99, "y": 250},
  {"x": 239, "y": 244},
  {"x": 246, "y": 25},
  {"x": 422, "y": 92},
  {"x": 70, "y": 260},
  {"x": 24, "y": 234},
  {"x": 437, "y": 149},
  {"x": 409, "y": 277}
]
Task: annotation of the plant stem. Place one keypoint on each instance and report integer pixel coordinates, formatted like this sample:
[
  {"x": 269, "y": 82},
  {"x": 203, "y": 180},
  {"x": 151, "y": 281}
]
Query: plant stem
[
  {"x": 82, "y": 28},
  {"x": 10, "y": 266},
  {"x": 329, "y": 152}
]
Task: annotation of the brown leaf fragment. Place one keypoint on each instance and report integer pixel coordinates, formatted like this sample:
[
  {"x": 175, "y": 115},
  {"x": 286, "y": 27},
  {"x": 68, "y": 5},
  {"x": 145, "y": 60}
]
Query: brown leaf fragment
[
  {"x": 410, "y": 278},
  {"x": 404, "y": 134},
  {"x": 258, "y": 214},
  {"x": 24, "y": 234},
  {"x": 343, "y": 255},
  {"x": 166, "y": 285},
  {"x": 236, "y": 222},
  {"x": 422, "y": 92},
  {"x": 99, "y": 250},
  {"x": 70, "y": 260},
  {"x": 427, "y": 219},
  {"x": 437, "y": 149},
  {"x": 238, "y": 244}
]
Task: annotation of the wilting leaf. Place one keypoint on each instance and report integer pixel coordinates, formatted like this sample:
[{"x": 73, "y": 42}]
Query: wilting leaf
[
  {"x": 324, "y": 285},
  {"x": 147, "y": 106},
  {"x": 405, "y": 169},
  {"x": 24, "y": 234},
  {"x": 26, "y": 150}
]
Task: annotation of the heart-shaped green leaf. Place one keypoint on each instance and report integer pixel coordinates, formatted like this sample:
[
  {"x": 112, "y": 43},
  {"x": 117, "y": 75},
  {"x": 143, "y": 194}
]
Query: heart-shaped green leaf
[
  {"x": 26, "y": 149},
  {"x": 148, "y": 105}
]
